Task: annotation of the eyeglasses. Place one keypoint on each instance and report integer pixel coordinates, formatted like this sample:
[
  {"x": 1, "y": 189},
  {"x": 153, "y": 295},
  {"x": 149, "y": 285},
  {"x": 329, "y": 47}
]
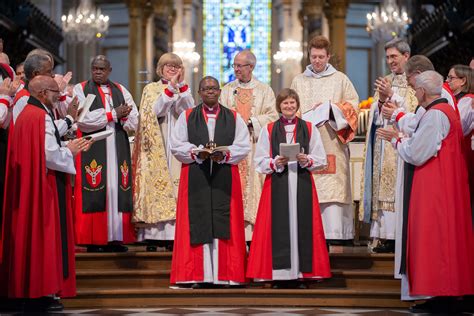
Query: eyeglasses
[
  {"x": 52, "y": 90},
  {"x": 177, "y": 67},
  {"x": 206, "y": 89},
  {"x": 450, "y": 78},
  {"x": 237, "y": 66}
]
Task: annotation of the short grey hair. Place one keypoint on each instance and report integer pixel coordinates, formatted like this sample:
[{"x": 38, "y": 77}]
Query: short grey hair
[
  {"x": 101, "y": 58},
  {"x": 251, "y": 59},
  {"x": 399, "y": 44},
  {"x": 34, "y": 63},
  {"x": 430, "y": 81}
]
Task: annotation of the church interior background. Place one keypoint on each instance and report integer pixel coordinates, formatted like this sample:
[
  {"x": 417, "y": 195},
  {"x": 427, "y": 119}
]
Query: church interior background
[{"x": 208, "y": 34}]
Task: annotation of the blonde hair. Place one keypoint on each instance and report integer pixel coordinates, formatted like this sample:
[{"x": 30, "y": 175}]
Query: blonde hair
[{"x": 167, "y": 58}]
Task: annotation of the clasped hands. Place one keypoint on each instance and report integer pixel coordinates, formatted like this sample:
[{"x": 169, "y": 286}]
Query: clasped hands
[
  {"x": 178, "y": 78},
  {"x": 283, "y": 161},
  {"x": 387, "y": 133},
  {"x": 9, "y": 87},
  {"x": 79, "y": 144},
  {"x": 215, "y": 156},
  {"x": 384, "y": 88},
  {"x": 123, "y": 110}
]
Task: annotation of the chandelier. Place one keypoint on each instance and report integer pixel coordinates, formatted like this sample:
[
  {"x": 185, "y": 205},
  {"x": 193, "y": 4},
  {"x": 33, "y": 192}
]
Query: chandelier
[
  {"x": 84, "y": 23},
  {"x": 185, "y": 50},
  {"x": 290, "y": 51},
  {"x": 387, "y": 22}
]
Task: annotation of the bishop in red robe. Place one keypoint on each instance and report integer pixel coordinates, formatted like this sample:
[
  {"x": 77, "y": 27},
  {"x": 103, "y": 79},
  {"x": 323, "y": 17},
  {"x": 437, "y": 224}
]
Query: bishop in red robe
[
  {"x": 38, "y": 255},
  {"x": 288, "y": 241},
  {"x": 440, "y": 238},
  {"x": 209, "y": 239}
]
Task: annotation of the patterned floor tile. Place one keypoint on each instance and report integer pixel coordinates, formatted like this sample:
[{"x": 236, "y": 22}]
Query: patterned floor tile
[
  {"x": 245, "y": 311},
  {"x": 176, "y": 311},
  {"x": 349, "y": 310},
  {"x": 108, "y": 312},
  {"x": 309, "y": 311}
]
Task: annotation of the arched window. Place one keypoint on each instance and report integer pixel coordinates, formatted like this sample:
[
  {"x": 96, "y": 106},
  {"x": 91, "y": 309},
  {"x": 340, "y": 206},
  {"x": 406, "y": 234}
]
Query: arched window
[{"x": 231, "y": 26}]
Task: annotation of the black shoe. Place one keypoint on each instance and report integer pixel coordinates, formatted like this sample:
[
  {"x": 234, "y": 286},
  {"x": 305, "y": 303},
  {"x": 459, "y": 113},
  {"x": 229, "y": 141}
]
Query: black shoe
[
  {"x": 151, "y": 248},
  {"x": 44, "y": 304},
  {"x": 54, "y": 306},
  {"x": 436, "y": 305},
  {"x": 116, "y": 248},
  {"x": 387, "y": 246},
  {"x": 302, "y": 286},
  {"x": 196, "y": 286},
  {"x": 283, "y": 285},
  {"x": 169, "y": 245},
  {"x": 425, "y": 307},
  {"x": 95, "y": 248}
]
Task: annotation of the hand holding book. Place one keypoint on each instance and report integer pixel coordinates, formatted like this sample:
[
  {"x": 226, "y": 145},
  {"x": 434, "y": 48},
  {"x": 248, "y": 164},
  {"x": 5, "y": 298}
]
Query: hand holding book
[{"x": 211, "y": 150}]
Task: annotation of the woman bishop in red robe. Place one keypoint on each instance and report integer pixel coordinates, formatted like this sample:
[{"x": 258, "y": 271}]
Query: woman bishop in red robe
[{"x": 288, "y": 241}]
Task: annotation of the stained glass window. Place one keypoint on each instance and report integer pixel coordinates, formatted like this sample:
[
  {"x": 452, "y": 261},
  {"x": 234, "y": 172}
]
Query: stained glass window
[{"x": 231, "y": 26}]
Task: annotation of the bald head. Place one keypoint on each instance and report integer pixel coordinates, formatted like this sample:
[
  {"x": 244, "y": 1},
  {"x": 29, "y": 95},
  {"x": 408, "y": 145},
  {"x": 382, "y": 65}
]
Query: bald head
[
  {"x": 45, "y": 89},
  {"x": 4, "y": 59},
  {"x": 40, "y": 83},
  {"x": 248, "y": 56}
]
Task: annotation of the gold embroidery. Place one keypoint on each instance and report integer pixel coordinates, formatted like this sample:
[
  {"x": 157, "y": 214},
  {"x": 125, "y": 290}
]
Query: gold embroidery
[
  {"x": 384, "y": 172},
  {"x": 153, "y": 197}
]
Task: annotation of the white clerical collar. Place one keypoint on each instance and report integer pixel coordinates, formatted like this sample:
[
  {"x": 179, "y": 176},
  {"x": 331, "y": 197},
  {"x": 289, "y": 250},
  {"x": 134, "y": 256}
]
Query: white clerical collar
[
  {"x": 210, "y": 110},
  {"x": 309, "y": 71},
  {"x": 247, "y": 85}
]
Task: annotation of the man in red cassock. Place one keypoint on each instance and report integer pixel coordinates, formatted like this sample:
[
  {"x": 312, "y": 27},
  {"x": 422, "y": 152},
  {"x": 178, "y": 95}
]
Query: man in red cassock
[
  {"x": 38, "y": 252},
  {"x": 440, "y": 238},
  {"x": 209, "y": 241}
]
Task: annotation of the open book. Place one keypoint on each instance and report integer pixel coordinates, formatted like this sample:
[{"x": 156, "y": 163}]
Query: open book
[
  {"x": 321, "y": 115},
  {"x": 100, "y": 135},
  {"x": 223, "y": 149}
]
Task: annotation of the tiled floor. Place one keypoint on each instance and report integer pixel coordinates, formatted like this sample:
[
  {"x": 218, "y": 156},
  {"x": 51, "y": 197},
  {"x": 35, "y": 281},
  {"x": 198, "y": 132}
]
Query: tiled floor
[{"x": 226, "y": 311}]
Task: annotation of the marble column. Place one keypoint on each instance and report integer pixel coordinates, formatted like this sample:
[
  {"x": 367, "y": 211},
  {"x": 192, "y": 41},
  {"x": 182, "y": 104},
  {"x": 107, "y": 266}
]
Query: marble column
[
  {"x": 311, "y": 18},
  {"x": 146, "y": 69},
  {"x": 134, "y": 47},
  {"x": 163, "y": 19},
  {"x": 336, "y": 13}
]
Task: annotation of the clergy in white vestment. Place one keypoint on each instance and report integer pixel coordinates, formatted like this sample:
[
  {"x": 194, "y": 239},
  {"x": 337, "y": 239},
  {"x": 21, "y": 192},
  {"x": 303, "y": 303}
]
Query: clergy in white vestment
[
  {"x": 380, "y": 166},
  {"x": 288, "y": 243},
  {"x": 103, "y": 184},
  {"x": 319, "y": 84},
  {"x": 255, "y": 102},
  {"x": 209, "y": 140},
  {"x": 156, "y": 170}
]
